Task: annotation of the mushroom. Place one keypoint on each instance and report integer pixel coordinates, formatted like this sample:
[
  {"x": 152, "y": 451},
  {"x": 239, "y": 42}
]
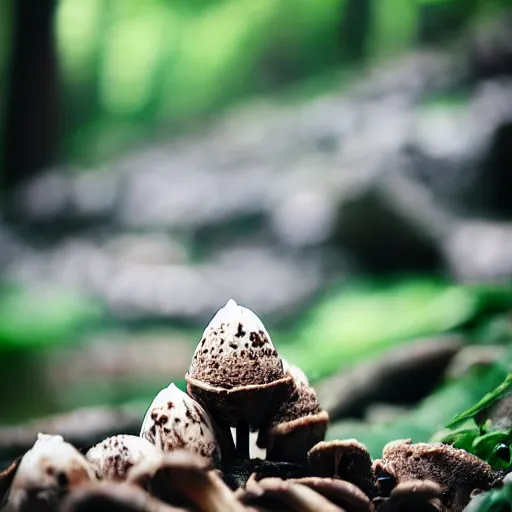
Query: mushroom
[
  {"x": 174, "y": 420},
  {"x": 284, "y": 495},
  {"x": 111, "y": 496},
  {"x": 236, "y": 373},
  {"x": 49, "y": 470},
  {"x": 344, "y": 494},
  {"x": 184, "y": 479},
  {"x": 113, "y": 457},
  {"x": 417, "y": 495},
  {"x": 297, "y": 424},
  {"x": 348, "y": 459},
  {"x": 456, "y": 471}
]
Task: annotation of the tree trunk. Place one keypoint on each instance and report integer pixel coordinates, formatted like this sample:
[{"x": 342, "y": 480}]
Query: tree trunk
[{"x": 31, "y": 132}]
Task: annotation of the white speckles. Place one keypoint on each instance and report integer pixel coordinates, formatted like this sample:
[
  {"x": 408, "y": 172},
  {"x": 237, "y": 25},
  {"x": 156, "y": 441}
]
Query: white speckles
[
  {"x": 113, "y": 457},
  {"x": 174, "y": 420},
  {"x": 51, "y": 464}
]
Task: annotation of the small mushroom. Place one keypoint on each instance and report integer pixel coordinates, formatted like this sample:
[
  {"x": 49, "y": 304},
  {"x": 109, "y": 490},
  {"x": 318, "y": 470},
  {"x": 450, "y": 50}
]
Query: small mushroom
[
  {"x": 236, "y": 373},
  {"x": 456, "y": 471},
  {"x": 119, "y": 497},
  {"x": 174, "y": 420},
  {"x": 49, "y": 470},
  {"x": 348, "y": 459},
  {"x": 297, "y": 424},
  {"x": 344, "y": 494},
  {"x": 184, "y": 479},
  {"x": 284, "y": 495},
  {"x": 113, "y": 457},
  {"x": 417, "y": 495}
]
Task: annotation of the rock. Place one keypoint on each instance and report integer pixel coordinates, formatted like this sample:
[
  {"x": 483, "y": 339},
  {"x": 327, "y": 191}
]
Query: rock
[
  {"x": 403, "y": 374},
  {"x": 460, "y": 154},
  {"x": 479, "y": 251},
  {"x": 282, "y": 198}
]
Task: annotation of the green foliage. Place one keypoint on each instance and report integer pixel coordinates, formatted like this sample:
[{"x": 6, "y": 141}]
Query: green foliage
[
  {"x": 364, "y": 319},
  {"x": 489, "y": 399},
  {"x": 134, "y": 67},
  {"x": 39, "y": 317},
  {"x": 491, "y": 446},
  {"x": 395, "y": 25},
  {"x": 474, "y": 433},
  {"x": 497, "y": 500}
]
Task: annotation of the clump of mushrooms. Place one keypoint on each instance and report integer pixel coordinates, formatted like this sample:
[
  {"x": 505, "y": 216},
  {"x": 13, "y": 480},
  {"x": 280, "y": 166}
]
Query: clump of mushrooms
[{"x": 185, "y": 457}]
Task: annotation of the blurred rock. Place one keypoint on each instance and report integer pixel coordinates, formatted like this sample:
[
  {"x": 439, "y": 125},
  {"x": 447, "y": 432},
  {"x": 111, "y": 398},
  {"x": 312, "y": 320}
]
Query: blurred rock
[
  {"x": 116, "y": 359},
  {"x": 490, "y": 48},
  {"x": 271, "y": 201},
  {"x": 402, "y": 375},
  {"x": 380, "y": 237},
  {"x": 153, "y": 280},
  {"x": 471, "y": 357},
  {"x": 83, "y": 427},
  {"x": 462, "y": 154},
  {"x": 480, "y": 251}
]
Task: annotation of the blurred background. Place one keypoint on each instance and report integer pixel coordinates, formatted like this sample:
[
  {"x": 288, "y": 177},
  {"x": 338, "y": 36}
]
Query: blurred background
[{"x": 341, "y": 167}]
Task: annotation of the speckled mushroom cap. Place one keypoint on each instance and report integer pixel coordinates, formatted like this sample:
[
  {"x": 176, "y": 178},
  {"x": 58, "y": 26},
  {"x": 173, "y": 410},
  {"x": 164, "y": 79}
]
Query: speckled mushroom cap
[
  {"x": 456, "y": 471},
  {"x": 297, "y": 424},
  {"x": 347, "y": 459},
  {"x": 51, "y": 465},
  {"x": 236, "y": 373},
  {"x": 114, "y": 456},
  {"x": 174, "y": 420},
  {"x": 236, "y": 350}
]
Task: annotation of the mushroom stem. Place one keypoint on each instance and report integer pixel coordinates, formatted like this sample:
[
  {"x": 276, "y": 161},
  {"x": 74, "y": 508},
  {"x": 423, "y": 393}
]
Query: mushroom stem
[{"x": 242, "y": 439}]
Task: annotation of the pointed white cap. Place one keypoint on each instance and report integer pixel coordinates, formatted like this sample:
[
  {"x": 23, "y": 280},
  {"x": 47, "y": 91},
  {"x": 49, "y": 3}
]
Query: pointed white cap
[
  {"x": 114, "y": 456},
  {"x": 236, "y": 350},
  {"x": 51, "y": 464},
  {"x": 174, "y": 420}
]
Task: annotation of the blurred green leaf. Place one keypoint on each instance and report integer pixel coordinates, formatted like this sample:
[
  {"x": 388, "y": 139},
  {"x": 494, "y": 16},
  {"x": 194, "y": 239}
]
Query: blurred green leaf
[
  {"x": 42, "y": 316},
  {"x": 364, "y": 319},
  {"x": 394, "y": 28},
  {"x": 489, "y": 399}
]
